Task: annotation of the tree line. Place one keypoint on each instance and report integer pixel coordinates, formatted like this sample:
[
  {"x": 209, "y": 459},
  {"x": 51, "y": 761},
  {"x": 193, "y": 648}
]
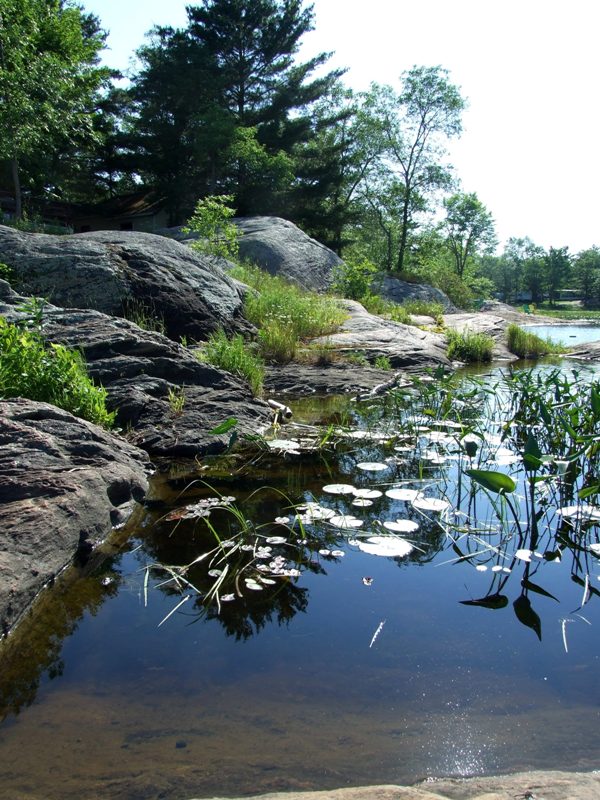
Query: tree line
[{"x": 224, "y": 106}]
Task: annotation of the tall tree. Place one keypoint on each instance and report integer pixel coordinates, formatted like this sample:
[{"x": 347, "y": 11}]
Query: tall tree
[
  {"x": 414, "y": 125},
  {"x": 469, "y": 228},
  {"x": 586, "y": 272},
  {"x": 558, "y": 270},
  {"x": 49, "y": 77}
]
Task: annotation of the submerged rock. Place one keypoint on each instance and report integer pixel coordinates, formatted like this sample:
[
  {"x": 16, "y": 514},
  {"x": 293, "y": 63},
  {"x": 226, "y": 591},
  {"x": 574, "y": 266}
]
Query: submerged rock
[
  {"x": 126, "y": 273},
  {"x": 62, "y": 481}
]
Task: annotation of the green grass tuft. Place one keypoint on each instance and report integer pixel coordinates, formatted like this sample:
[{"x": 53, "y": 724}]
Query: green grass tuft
[
  {"x": 472, "y": 348},
  {"x": 234, "y": 355},
  {"x": 527, "y": 345}
]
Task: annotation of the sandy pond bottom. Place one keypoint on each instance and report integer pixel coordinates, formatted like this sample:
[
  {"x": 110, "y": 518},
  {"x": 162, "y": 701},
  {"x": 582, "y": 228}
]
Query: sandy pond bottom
[{"x": 290, "y": 690}]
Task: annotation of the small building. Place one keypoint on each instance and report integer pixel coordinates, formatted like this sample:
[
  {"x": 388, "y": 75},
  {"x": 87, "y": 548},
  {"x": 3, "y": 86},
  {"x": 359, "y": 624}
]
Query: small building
[{"x": 140, "y": 211}]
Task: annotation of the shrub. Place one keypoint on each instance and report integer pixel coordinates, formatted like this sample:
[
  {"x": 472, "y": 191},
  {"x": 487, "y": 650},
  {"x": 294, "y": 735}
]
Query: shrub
[
  {"x": 235, "y": 356},
  {"x": 472, "y": 348},
  {"x": 527, "y": 345},
  {"x": 353, "y": 278},
  {"x": 6, "y": 273},
  {"x": 425, "y": 308},
  {"x": 375, "y": 304},
  {"x": 210, "y": 220},
  {"x": 50, "y": 374}
]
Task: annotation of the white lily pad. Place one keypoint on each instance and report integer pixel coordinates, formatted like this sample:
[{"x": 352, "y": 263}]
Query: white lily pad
[
  {"x": 227, "y": 598},
  {"x": 408, "y": 495},
  {"x": 338, "y": 488},
  {"x": 287, "y": 445},
  {"x": 276, "y": 539},
  {"x": 401, "y": 526},
  {"x": 253, "y": 585},
  {"x": 372, "y": 466},
  {"x": 430, "y": 503},
  {"x": 369, "y": 494},
  {"x": 481, "y": 568},
  {"x": 345, "y": 521},
  {"x": 362, "y": 502},
  {"x": 338, "y": 553},
  {"x": 387, "y": 546},
  {"x": 523, "y": 554}
]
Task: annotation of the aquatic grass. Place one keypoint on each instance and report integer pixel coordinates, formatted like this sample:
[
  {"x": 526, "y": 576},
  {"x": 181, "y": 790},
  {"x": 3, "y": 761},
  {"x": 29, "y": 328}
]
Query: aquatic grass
[
  {"x": 527, "y": 345},
  {"x": 49, "y": 373},
  {"x": 234, "y": 355},
  {"x": 472, "y": 348}
]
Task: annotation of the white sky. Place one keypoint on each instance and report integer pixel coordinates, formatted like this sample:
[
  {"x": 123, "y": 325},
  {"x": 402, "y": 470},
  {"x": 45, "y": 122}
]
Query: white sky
[{"x": 530, "y": 70}]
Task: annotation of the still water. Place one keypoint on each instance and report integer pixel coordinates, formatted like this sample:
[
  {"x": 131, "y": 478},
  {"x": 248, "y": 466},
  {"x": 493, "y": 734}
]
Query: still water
[
  {"x": 569, "y": 335},
  {"x": 353, "y": 669}
]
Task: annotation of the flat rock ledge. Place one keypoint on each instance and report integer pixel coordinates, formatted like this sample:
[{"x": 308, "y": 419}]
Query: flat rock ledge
[
  {"x": 521, "y": 786},
  {"x": 406, "y": 346},
  {"x": 63, "y": 485}
]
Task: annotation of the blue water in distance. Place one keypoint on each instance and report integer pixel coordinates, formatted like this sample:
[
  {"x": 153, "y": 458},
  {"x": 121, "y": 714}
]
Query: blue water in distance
[{"x": 566, "y": 334}]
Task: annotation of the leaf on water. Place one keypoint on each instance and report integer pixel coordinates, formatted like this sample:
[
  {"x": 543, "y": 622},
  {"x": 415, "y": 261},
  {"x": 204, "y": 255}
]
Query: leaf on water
[
  {"x": 431, "y": 504},
  {"x": 285, "y": 445},
  {"x": 481, "y": 568},
  {"x": 491, "y": 601},
  {"x": 372, "y": 466},
  {"x": 493, "y": 481},
  {"x": 407, "y": 495},
  {"x": 276, "y": 540},
  {"x": 387, "y": 546},
  {"x": 345, "y": 521},
  {"x": 523, "y": 554},
  {"x": 527, "y": 616},
  {"x": 324, "y": 552},
  {"x": 361, "y": 502},
  {"x": 527, "y": 584},
  {"x": 227, "y": 598},
  {"x": 253, "y": 585},
  {"x": 401, "y": 526},
  {"x": 225, "y": 426},
  {"x": 368, "y": 494},
  {"x": 338, "y": 553},
  {"x": 339, "y": 488}
]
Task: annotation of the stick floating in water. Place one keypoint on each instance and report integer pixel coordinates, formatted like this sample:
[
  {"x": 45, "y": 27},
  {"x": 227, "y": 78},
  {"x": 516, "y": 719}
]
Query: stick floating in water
[{"x": 377, "y": 632}]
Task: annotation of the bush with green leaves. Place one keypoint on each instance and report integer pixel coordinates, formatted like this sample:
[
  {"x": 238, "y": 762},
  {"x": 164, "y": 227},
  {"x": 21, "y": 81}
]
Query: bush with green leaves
[
  {"x": 49, "y": 373},
  {"x": 354, "y": 277},
  {"x": 211, "y": 221},
  {"x": 6, "y": 273}
]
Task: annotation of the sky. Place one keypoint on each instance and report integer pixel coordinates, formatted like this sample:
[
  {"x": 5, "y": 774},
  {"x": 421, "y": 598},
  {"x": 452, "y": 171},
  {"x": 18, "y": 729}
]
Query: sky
[{"x": 529, "y": 69}]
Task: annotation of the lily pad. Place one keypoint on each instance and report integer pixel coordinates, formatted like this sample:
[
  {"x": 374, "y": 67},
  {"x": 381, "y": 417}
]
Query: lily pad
[
  {"x": 401, "y": 526},
  {"x": 387, "y": 546},
  {"x": 339, "y": 488},
  {"x": 345, "y": 521},
  {"x": 372, "y": 466},
  {"x": 362, "y": 502},
  {"x": 369, "y": 494},
  {"x": 408, "y": 495},
  {"x": 430, "y": 503}
]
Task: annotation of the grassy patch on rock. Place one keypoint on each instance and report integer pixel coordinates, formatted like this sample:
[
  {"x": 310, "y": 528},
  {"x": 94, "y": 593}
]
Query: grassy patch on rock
[{"x": 472, "y": 348}]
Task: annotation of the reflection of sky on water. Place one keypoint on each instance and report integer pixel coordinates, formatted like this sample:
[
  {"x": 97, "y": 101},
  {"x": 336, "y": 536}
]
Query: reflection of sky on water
[{"x": 568, "y": 335}]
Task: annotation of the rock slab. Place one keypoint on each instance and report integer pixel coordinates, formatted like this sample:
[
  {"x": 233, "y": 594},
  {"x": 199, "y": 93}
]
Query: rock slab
[
  {"x": 62, "y": 481},
  {"x": 124, "y": 274}
]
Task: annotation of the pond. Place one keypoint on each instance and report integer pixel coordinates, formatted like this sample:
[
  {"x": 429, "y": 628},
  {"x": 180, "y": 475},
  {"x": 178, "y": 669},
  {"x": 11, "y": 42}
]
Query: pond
[
  {"x": 568, "y": 334},
  {"x": 417, "y": 596}
]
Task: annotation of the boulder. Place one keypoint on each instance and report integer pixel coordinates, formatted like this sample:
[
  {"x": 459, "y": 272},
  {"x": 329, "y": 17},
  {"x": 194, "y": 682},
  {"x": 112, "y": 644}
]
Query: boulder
[
  {"x": 489, "y": 324},
  {"x": 62, "y": 481},
  {"x": 398, "y": 291},
  {"x": 144, "y": 373},
  {"x": 119, "y": 273},
  {"x": 406, "y": 346}
]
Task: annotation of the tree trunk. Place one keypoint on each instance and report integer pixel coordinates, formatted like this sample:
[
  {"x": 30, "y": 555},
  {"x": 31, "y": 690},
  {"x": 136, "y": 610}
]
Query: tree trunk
[{"x": 14, "y": 165}]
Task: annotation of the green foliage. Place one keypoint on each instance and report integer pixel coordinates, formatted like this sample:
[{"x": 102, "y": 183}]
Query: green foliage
[
  {"x": 354, "y": 277},
  {"x": 472, "y": 348},
  {"x": 284, "y": 313},
  {"x": 7, "y": 273},
  {"x": 383, "y": 362},
  {"x": 425, "y": 308},
  {"x": 210, "y": 220},
  {"x": 469, "y": 228},
  {"x": 375, "y": 304},
  {"x": 176, "y": 399},
  {"x": 234, "y": 355},
  {"x": 527, "y": 345},
  {"x": 50, "y": 374}
]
